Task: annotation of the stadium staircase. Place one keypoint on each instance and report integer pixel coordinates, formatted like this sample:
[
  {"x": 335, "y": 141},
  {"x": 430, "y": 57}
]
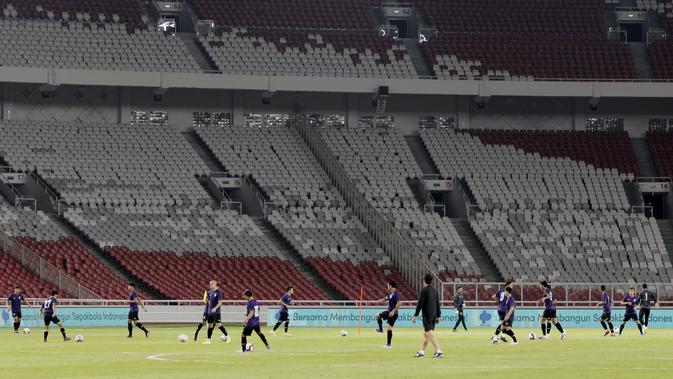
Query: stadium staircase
[
  {"x": 421, "y": 64},
  {"x": 644, "y": 157},
  {"x": 197, "y": 51},
  {"x": 481, "y": 257},
  {"x": 641, "y": 60},
  {"x": 666, "y": 229},
  {"x": 299, "y": 262}
]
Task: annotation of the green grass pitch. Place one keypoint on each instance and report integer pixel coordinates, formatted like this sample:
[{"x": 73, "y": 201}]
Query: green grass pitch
[{"x": 323, "y": 353}]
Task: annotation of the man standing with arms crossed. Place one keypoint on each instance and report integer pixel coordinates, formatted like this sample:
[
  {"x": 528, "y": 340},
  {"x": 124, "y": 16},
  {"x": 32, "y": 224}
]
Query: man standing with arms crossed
[{"x": 428, "y": 302}]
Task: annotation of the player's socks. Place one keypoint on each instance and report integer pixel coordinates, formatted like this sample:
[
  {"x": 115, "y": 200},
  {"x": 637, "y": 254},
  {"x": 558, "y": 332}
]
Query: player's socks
[
  {"x": 277, "y": 326},
  {"x": 548, "y": 327},
  {"x": 640, "y": 327},
  {"x": 543, "y": 327},
  {"x": 559, "y": 327},
  {"x": 16, "y": 326},
  {"x": 210, "y": 332},
  {"x": 263, "y": 338},
  {"x": 612, "y": 327},
  {"x": 45, "y": 336},
  {"x": 621, "y": 328},
  {"x": 63, "y": 332},
  {"x": 497, "y": 330},
  {"x": 198, "y": 329},
  {"x": 390, "y": 337},
  {"x": 141, "y": 327},
  {"x": 511, "y": 334},
  {"x": 604, "y": 325},
  {"x": 244, "y": 341},
  {"x": 380, "y": 322},
  {"x": 287, "y": 325},
  {"x": 223, "y": 330},
  {"x": 130, "y": 328}
]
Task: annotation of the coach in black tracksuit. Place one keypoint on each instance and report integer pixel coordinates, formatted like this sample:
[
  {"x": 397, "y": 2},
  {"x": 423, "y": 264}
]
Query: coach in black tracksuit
[
  {"x": 647, "y": 300},
  {"x": 458, "y": 304},
  {"x": 428, "y": 303}
]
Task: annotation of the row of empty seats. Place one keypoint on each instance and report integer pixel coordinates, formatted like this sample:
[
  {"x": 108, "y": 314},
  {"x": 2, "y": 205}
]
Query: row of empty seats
[
  {"x": 77, "y": 45},
  {"x": 661, "y": 146},
  {"x": 120, "y": 11},
  {"x": 301, "y": 53}
]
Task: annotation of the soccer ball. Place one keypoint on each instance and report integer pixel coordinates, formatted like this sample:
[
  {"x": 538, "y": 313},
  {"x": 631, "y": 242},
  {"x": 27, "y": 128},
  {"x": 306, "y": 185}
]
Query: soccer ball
[
  {"x": 495, "y": 340},
  {"x": 224, "y": 338},
  {"x": 79, "y": 338},
  {"x": 532, "y": 336},
  {"x": 344, "y": 332},
  {"x": 26, "y": 331},
  {"x": 250, "y": 347},
  {"x": 183, "y": 338}
]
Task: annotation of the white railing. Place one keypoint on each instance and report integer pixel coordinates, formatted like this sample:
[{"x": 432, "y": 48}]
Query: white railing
[
  {"x": 35, "y": 264},
  {"x": 567, "y": 294}
]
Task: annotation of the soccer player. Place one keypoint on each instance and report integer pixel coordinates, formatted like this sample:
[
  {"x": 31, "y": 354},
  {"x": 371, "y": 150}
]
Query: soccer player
[
  {"x": 549, "y": 313},
  {"x": 48, "y": 310},
  {"x": 428, "y": 302},
  {"x": 204, "y": 318},
  {"x": 215, "y": 312},
  {"x": 284, "y": 315},
  {"x": 251, "y": 322},
  {"x": 508, "y": 322},
  {"x": 391, "y": 314},
  {"x": 606, "y": 317},
  {"x": 14, "y": 302},
  {"x": 630, "y": 301},
  {"x": 133, "y": 319},
  {"x": 501, "y": 298},
  {"x": 647, "y": 300},
  {"x": 459, "y": 303}
]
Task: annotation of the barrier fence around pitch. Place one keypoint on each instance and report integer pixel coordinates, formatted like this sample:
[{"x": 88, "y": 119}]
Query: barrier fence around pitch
[{"x": 77, "y": 313}]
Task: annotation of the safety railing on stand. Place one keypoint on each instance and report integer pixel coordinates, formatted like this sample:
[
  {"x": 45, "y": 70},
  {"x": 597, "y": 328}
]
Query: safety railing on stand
[
  {"x": 399, "y": 250},
  {"x": 44, "y": 270}
]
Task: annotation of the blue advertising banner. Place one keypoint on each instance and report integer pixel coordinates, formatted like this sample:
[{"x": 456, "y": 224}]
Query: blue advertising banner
[
  {"x": 475, "y": 317},
  {"x": 70, "y": 316}
]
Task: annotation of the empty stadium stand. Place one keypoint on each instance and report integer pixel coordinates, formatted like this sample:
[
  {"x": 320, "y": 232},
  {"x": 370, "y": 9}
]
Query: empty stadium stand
[
  {"x": 661, "y": 146},
  {"x": 13, "y": 274},
  {"x": 304, "y": 206},
  {"x": 551, "y": 217},
  {"x": 565, "y": 39},
  {"x": 118, "y": 11}
]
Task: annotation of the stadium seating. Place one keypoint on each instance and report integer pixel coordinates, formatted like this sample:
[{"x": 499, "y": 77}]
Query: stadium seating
[
  {"x": 303, "y": 14},
  {"x": 69, "y": 256},
  {"x": 12, "y": 274},
  {"x": 305, "y": 207},
  {"x": 523, "y": 41},
  {"x": 120, "y": 11},
  {"x": 186, "y": 276},
  {"x": 380, "y": 164},
  {"x": 301, "y": 53},
  {"x": 602, "y": 150},
  {"x": 661, "y": 146},
  {"x": 80, "y": 45},
  {"x": 548, "y": 217},
  {"x": 19, "y": 222}
]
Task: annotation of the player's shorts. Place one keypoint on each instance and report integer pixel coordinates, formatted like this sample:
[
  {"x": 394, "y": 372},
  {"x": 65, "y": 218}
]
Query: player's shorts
[
  {"x": 630, "y": 316},
  {"x": 606, "y": 316},
  {"x": 501, "y": 315},
  {"x": 48, "y": 319},
  {"x": 133, "y": 316},
  {"x": 459, "y": 311},
  {"x": 16, "y": 314},
  {"x": 283, "y": 316},
  {"x": 391, "y": 319},
  {"x": 509, "y": 322},
  {"x": 549, "y": 313},
  {"x": 428, "y": 325},
  {"x": 214, "y": 318},
  {"x": 204, "y": 318},
  {"x": 247, "y": 331}
]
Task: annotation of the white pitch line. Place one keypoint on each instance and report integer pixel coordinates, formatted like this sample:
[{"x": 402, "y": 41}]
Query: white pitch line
[{"x": 163, "y": 358}]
